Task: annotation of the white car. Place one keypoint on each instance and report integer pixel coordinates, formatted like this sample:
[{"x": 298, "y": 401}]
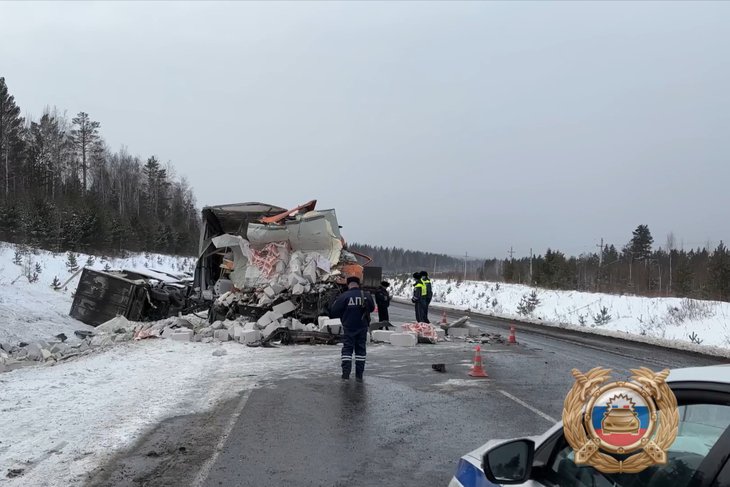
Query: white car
[{"x": 699, "y": 457}]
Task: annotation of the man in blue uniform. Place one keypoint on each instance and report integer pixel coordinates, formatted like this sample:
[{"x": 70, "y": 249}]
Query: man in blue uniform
[{"x": 353, "y": 308}]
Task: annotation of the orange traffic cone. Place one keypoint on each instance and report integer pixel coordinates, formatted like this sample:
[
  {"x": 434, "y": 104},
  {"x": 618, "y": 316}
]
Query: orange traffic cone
[
  {"x": 477, "y": 370},
  {"x": 512, "y": 338},
  {"x": 443, "y": 318}
]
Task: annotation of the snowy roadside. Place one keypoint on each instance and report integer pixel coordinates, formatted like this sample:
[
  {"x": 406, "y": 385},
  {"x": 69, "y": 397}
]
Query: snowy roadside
[
  {"x": 686, "y": 324},
  {"x": 32, "y": 311},
  {"x": 61, "y": 422}
]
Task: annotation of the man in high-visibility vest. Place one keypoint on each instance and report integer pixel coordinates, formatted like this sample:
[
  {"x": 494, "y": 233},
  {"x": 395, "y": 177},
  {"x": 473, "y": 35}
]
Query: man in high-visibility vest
[
  {"x": 427, "y": 298},
  {"x": 419, "y": 294}
]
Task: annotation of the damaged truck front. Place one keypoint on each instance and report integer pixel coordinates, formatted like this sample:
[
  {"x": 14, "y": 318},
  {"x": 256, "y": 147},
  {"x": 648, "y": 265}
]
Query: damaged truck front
[{"x": 261, "y": 262}]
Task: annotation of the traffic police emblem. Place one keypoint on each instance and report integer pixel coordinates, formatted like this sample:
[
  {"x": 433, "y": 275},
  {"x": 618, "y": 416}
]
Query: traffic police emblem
[{"x": 620, "y": 427}]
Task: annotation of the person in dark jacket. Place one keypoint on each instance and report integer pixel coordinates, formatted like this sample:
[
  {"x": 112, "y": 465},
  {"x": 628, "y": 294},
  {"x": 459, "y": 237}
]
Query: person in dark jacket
[
  {"x": 353, "y": 308},
  {"x": 382, "y": 299},
  {"x": 419, "y": 294},
  {"x": 429, "y": 295}
]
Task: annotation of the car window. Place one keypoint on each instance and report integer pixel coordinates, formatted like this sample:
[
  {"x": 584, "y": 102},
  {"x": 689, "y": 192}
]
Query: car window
[{"x": 700, "y": 428}]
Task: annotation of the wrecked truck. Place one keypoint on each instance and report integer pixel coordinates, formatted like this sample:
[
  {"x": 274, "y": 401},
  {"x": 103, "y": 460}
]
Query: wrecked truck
[
  {"x": 255, "y": 256},
  {"x": 136, "y": 294}
]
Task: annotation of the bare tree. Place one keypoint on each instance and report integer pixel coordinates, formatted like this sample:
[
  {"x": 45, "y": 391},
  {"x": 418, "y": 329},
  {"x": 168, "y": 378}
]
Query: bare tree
[{"x": 671, "y": 244}]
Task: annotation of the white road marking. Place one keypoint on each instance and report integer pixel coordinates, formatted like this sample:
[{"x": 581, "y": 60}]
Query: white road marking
[
  {"x": 208, "y": 465},
  {"x": 533, "y": 409}
]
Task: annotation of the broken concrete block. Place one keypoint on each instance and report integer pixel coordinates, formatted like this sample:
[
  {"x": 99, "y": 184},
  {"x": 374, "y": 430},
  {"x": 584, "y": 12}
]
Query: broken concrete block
[
  {"x": 115, "y": 325},
  {"x": 182, "y": 323},
  {"x": 217, "y": 325},
  {"x": 403, "y": 339},
  {"x": 206, "y": 332},
  {"x": 236, "y": 331},
  {"x": 332, "y": 322},
  {"x": 123, "y": 337},
  {"x": 250, "y": 326},
  {"x": 266, "y": 319},
  {"x": 278, "y": 288},
  {"x": 59, "y": 348},
  {"x": 334, "y": 328},
  {"x": 440, "y": 334},
  {"x": 458, "y": 332},
  {"x": 297, "y": 289},
  {"x": 269, "y": 292},
  {"x": 321, "y": 320},
  {"x": 284, "y": 308},
  {"x": 310, "y": 327},
  {"x": 220, "y": 352},
  {"x": 285, "y": 322},
  {"x": 221, "y": 335},
  {"x": 382, "y": 335},
  {"x": 206, "y": 339},
  {"x": 250, "y": 336},
  {"x": 474, "y": 331},
  {"x": 167, "y": 332},
  {"x": 297, "y": 325},
  {"x": 46, "y": 354},
  {"x": 270, "y": 328},
  {"x": 197, "y": 338},
  {"x": 182, "y": 335}
]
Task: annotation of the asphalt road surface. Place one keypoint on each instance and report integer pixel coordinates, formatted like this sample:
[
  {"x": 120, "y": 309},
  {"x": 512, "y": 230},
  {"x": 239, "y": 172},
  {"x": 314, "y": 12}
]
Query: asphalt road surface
[{"x": 406, "y": 425}]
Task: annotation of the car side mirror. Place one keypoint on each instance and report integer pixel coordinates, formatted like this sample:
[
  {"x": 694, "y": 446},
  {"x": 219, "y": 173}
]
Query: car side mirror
[{"x": 509, "y": 463}]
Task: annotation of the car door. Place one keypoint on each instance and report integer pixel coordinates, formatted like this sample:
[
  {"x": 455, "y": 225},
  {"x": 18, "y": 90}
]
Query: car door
[{"x": 697, "y": 458}]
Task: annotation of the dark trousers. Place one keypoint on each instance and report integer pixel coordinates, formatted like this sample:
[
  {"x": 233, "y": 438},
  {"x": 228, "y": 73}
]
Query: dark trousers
[
  {"x": 383, "y": 313},
  {"x": 354, "y": 342},
  {"x": 419, "y": 309},
  {"x": 424, "y": 311}
]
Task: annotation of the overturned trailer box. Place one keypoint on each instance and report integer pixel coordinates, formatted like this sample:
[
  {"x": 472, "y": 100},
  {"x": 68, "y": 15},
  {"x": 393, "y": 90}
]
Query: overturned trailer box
[
  {"x": 138, "y": 295},
  {"x": 254, "y": 256}
]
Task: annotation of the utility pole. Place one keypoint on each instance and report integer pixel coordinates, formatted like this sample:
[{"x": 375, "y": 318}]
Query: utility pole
[
  {"x": 530, "y": 266},
  {"x": 511, "y": 253},
  {"x": 434, "y": 265},
  {"x": 600, "y": 264},
  {"x": 466, "y": 256}
]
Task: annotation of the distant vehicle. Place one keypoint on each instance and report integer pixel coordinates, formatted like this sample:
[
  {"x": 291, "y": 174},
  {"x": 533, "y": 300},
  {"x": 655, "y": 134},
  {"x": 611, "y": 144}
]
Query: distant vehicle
[{"x": 700, "y": 456}]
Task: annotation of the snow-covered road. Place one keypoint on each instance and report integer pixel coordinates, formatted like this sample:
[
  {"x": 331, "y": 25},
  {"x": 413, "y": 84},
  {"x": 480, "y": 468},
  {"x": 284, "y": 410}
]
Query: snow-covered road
[{"x": 58, "y": 423}]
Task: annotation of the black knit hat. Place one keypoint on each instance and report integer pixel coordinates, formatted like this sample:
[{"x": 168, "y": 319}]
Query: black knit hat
[
  {"x": 385, "y": 283},
  {"x": 416, "y": 275},
  {"x": 352, "y": 279}
]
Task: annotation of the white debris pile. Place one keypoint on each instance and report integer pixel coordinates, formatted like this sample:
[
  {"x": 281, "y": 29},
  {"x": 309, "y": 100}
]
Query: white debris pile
[
  {"x": 270, "y": 327},
  {"x": 292, "y": 261}
]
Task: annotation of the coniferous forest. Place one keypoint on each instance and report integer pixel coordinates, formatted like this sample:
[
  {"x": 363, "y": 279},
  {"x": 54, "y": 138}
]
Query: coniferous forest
[{"x": 62, "y": 188}]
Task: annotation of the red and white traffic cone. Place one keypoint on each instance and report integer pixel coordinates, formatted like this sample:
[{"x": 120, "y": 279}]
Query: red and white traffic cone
[
  {"x": 443, "y": 318},
  {"x": 512, "y": 337},
  {"x": 477, "y": 370}
]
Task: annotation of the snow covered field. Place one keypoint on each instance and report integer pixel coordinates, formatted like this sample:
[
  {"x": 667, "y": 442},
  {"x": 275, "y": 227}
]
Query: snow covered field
[
  {"x": 33, "y": 310},
  {"x": 670, "y": 321}
]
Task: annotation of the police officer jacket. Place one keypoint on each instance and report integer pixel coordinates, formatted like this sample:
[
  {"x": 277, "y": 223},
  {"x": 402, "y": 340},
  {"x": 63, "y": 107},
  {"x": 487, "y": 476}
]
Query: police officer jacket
[
  {"x": 382, "y": 298},
  {"x": 429, "y": 291},
  {"x": 353, "y": 308},
  {"x": 419, "y": 292}
]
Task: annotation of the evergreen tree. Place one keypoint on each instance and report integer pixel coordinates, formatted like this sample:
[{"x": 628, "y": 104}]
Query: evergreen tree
[
  {"x": 683, "y": 281},
  {"x": 72, "y": 264},
  {"x": 640, "y": 244},
  {"x": 719, "y": 268},
  {"x": 11, "y": 124},
  {"x": 56, "y": 282},
  {"x": 85, "y": 136}
]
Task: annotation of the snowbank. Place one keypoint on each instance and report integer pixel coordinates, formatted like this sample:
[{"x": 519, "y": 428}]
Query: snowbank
[
  {"x": 671, "y": 320},
  {"x": 61, "y": 422},
  {"x": 31, "y": 311}
]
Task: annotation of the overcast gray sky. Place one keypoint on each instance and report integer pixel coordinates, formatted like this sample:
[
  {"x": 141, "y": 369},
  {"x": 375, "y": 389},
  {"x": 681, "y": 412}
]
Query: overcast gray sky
[{"x": 440, "y": 126}]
